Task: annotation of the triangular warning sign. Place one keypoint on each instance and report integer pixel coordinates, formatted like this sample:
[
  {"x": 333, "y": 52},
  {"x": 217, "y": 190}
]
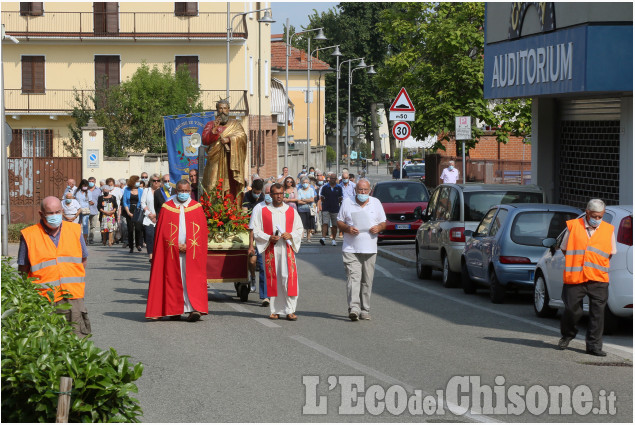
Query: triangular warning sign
[{"x": 402, "y": 103}]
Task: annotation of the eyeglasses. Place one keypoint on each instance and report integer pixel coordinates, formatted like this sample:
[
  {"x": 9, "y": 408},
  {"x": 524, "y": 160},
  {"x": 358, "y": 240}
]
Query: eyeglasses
[
  {"x": 156, "y": 181},
  {"x": 166, "y": 181}
]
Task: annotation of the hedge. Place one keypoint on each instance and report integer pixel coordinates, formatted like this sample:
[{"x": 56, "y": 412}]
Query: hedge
[
  {"x": 14, "y": 231},
  {"x": 39, "y": 347}
]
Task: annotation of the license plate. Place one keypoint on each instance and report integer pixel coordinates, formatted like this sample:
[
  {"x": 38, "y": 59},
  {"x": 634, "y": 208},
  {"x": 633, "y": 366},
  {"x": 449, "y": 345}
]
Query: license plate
[
  {"x": 402, "y": 226},
  {"x": 531, "y": 275}
]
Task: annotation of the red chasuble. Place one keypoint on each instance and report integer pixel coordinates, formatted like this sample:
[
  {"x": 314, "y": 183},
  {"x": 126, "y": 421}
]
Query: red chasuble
[
  {"x": 270, "y": 256},
  {"x": 165, "y": 294}
]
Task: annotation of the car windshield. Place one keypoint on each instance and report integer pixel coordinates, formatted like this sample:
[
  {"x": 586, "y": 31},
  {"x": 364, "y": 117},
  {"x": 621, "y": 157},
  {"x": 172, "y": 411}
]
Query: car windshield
[
  {"x": 478, "y": 203},
  {"x": 391, "y": 193},
  {"x": 532, "y": 227},
  {"x": 416, "y": 168}
]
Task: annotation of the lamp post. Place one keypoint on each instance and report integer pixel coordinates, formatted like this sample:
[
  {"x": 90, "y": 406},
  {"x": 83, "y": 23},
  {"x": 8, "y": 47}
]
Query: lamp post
[
  {"x": 337, "y": 108},
  {"x": 266, "y": 19},
  {"x": 371, "y": 71},
  {"x": 337, "y": 54}
]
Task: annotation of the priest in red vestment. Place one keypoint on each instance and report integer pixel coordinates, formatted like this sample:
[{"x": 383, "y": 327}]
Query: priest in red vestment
[{"x": 178, "y": 280}]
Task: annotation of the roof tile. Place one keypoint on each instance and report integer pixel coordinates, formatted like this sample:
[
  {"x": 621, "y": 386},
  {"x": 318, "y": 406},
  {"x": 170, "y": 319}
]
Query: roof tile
[{"x": 297, "y": 58}]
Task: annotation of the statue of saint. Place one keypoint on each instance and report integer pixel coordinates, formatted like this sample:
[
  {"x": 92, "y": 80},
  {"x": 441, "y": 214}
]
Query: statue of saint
[{"x": 226, "y": 153}]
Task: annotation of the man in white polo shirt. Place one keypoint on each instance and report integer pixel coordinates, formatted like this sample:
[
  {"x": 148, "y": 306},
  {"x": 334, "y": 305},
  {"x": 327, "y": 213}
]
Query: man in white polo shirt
[
  {"x": 360, "y": 220},
  {"x": 450, "y": 174}
]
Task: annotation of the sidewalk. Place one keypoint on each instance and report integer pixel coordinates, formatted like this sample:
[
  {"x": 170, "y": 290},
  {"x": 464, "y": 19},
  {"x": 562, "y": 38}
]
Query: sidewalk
[{"x": 401, "y": 255}]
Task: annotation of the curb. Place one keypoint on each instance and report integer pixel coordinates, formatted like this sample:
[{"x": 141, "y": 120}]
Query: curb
[{"x": 383, "y": 252}]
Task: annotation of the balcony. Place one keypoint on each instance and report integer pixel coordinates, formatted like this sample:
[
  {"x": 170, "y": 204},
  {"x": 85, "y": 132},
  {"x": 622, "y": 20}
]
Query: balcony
[
  {"x": 63, "y": 101},
  {"x": 125, "y": 25}
]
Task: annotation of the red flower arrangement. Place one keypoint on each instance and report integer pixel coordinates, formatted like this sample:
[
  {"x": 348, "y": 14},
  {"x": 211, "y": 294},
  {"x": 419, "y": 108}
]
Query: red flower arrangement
[{"x": 223, "y": 213}]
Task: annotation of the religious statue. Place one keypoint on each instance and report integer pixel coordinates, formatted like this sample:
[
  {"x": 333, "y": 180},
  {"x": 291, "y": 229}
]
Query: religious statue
[{"x": 226, "y": 153}]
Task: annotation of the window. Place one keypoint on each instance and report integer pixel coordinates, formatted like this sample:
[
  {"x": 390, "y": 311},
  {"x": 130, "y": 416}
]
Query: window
[
  {"x": 106, "y": 71},
  {"x": 267, "y": 81},
  {"x": 31, "y": 8},
  {"x": 498, "y": 221},
  {"x": 189, "y": 62},
  {"x": 481, "y": 230},
  {"x": 33, "y": 74},
  {"x": 531, "y": 228},
  {"x": 432, "y": 205},
  {"x": 477, "y": 203},
  {"x": 106, "y": 18},
  {"x": 28, "y": 143},
  {"x": 251, "y": 75},
  {"x": 183, "y": 8}
]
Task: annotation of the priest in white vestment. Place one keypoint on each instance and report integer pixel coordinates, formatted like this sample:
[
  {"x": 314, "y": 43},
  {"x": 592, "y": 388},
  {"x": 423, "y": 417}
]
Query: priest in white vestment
[{"x": 278, "y": 233}]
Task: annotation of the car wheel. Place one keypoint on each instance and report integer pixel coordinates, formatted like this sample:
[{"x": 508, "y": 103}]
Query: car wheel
[
  {"x": 423, "y": 272},
  {"x": 496, "y": 290},
  {"x": 541, "y": 298},
  {"x": 469, "y": 286},
  {"x": 611, "y": 322},
  {"x": 450, "y": 278}
]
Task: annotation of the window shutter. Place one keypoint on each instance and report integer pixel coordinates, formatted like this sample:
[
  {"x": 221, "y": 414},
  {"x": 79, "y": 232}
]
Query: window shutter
[
  {"x": 192, "y": 65},
  {"x": 37, "y": 8},
  {"x": 100, "y": 73},
  {"x": 38, "y": 74},
  {"x": 112, "y": 18},
  {"x": 48, "y": 140},
  {"x": 15, "y": 148},
  {"x": 182, "y": 8},
  {"x": 113, "y": 71},
  {"x": 27, "y": 74},
  {"x": 25, "y": 8}
]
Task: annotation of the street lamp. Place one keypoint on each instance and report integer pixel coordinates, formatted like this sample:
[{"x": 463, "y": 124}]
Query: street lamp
[
  {"x": 266, "y": 19},
  {"x": 371, "y": 71},
  {"x": 319, "y": 36},
  {"x": 337, "y": 108},
  {"x": 337, "y": 54}
]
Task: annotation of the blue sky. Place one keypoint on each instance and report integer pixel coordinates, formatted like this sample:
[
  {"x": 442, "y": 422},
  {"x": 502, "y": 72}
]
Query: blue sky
[{"x": 298, "y": 13}]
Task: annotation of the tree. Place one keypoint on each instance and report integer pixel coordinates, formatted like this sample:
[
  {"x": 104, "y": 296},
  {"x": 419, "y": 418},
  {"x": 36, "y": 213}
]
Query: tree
[
  {"x": 437, "y": 54},
  {"x": 354, "y": 27},
  {"x": 131, "y": 112}
]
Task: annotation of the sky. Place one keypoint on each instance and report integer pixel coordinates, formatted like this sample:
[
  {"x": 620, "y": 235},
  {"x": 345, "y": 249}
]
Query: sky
[{"x": 298, "y": 13}]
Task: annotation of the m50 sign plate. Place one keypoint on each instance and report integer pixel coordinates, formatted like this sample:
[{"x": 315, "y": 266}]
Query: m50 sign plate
[
  {"x": 402, "y": 116},
  {"x": 401, "y": 130}
]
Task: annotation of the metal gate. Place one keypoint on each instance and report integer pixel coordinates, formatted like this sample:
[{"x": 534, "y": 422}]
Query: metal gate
[{"x": 33, "y": 179}]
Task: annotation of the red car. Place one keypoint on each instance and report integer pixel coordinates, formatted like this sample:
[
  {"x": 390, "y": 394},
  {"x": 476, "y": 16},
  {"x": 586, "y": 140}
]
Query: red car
[{"x": 399, "y": 199}]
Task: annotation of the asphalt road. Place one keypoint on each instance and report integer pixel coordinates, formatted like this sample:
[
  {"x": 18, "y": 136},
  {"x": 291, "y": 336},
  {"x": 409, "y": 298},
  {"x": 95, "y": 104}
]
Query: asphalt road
[{"x": 237, "y": 366}]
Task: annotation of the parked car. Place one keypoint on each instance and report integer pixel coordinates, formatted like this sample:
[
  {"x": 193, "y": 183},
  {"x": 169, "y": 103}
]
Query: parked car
[
  {"x": 503, "y": 250},
  {"x": 549, "y": 270},
  {"x": 454, "y": 208},
  {"x": 416, "y": 171},
  {"x": 399, "y": 199}
]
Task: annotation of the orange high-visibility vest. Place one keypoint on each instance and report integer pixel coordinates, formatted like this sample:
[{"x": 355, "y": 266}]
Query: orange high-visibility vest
[
  {"x": 587, "y": 258},
  {"x": 60, "y": 267}
]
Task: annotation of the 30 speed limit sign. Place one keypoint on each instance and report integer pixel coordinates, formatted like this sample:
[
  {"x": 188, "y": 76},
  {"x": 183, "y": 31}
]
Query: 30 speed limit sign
[{"x": 401, "y": 130}]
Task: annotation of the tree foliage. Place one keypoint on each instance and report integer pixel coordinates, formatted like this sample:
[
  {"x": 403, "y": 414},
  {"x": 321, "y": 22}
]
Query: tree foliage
[
  {"x": 437, "y": 55},
  {"x": 131, "y": 112}
]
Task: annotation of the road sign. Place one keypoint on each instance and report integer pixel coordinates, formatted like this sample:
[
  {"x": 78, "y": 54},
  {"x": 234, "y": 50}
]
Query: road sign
[
  {"x": 401, "y": 116},
  {"x": 401, "y": 130},
  {"x": 463, "y": 128},
  {"x": 93, "y": 158},
  {"x": 402, "y": 103}
]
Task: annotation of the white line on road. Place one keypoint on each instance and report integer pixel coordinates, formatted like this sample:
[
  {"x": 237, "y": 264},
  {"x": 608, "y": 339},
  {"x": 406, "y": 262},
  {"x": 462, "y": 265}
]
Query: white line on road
[
  {"x": 267, "y": 322},
  {"x": 367, "y": 370},
  {"x": 609, "y": 347}
]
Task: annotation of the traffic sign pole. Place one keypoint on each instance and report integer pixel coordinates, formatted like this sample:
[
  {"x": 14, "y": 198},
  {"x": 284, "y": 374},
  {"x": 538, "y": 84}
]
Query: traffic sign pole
[{"x": 401, "y": 162}]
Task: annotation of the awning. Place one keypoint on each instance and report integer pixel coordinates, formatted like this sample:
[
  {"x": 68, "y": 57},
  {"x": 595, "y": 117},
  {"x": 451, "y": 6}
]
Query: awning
[{"x": 278, "y": 100}]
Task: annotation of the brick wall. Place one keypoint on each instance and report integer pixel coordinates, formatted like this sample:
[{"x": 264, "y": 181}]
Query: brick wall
[
  {"x": 269, "y": 137},
  {"x": 488, "y": 148}
]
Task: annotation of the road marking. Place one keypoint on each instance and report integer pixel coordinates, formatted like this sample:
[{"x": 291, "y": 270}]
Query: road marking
[
  {"x": 493, "y": 311},
  {"x": 367, "y": 370},
  {"x": 267, "y": 322}
]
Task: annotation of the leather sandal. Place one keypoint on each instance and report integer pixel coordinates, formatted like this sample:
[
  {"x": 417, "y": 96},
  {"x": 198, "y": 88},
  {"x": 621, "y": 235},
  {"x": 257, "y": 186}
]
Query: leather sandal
[
  {"x": 273, "y": 316},
  {"x": 292, "y": 316}
]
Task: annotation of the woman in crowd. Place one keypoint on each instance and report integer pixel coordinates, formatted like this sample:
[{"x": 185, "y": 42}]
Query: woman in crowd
[
  {"x": 83, "y": 197},
  {"x": 290, "y": 193},
  {"x": 131, "y": 201},
  {"x": 306, "y": 207},
  {"x": 150, "y": 215},
  {"x": 107, "y": 206}
]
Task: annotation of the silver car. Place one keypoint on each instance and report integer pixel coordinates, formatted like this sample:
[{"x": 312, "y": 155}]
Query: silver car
[
  {"x": 452, "y": 209},
  {"x": 548, "y": 275}
]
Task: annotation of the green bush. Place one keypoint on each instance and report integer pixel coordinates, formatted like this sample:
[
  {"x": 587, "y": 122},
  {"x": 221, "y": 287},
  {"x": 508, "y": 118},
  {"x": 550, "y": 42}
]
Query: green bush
[
  {"x": 330, "y": 154},
  {"x": 39, "y": 347},
  {"x": 14, "y": 231}
]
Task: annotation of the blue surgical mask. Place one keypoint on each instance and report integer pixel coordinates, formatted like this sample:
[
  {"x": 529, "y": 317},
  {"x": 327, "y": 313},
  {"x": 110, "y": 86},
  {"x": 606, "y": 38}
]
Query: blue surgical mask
[
  {"x": 268, "y": 199},
  {"x": 54, "y": 220},
  {"x": 593, "y": 222},
  {"x": 137, "y": 184},
  {"x": 320, "y": 182},
  {"x": 362, "y": 197},
  {"x": 451, "y": 167},
  {"x": 68, "y": 201},
  {"x": 167, "y": 186},
  {"x": 304, "y": 170},
  {"x": 305, "y": 185},
  {"x": 182, "y": 197},
  {"x": 344, "y": 181},
  {"x": 91, "y": 184}
]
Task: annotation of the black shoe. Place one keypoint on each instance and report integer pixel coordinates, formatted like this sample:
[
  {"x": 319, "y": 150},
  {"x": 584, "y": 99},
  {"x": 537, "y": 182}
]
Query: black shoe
[
  {"x": 564, "y": 342},
  {"x": 139, "y": 248},
  {"x": 194, "y": 316},
  {"x": 596, "y": 352},
  {"x": 322, "y": 241}
]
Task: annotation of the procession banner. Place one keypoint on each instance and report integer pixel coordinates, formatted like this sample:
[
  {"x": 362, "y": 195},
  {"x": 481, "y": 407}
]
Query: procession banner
[{"x": 178, "y": 129}]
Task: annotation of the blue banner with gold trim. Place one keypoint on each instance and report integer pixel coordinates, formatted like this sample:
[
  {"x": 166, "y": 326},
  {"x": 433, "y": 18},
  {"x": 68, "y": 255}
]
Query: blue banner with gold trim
[{"x": 178, "y": 129}]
